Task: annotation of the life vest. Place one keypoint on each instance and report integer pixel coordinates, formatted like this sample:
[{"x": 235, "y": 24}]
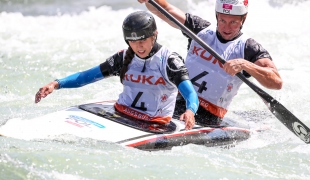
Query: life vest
[
  {"x": 215, "y": 88},
  {"x": 148, "y": 95}
]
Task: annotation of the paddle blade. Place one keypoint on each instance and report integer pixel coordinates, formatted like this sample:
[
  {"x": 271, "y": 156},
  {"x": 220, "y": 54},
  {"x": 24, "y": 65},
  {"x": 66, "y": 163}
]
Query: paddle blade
[
  {"x": 280, "y": 112},
  {"x": 289, "y": 120}
]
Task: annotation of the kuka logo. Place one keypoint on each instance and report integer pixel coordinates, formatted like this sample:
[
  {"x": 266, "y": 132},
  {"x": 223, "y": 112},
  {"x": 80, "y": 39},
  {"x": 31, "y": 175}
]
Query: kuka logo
[
  {"x": 144, "y": 79},
  {"x": 206, "y": 56}
]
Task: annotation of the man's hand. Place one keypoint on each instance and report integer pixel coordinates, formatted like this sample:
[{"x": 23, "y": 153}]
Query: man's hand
[{"x": 234, "y": 66}]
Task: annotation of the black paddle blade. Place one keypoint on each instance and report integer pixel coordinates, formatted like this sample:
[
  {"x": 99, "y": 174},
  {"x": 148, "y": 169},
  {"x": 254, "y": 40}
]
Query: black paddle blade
[
  {"x": 287, "y": 118},
  {"x": 281, "y": 113}
]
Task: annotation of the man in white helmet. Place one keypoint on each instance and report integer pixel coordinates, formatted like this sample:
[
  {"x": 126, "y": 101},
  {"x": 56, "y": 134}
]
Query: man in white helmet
[{"x": 216, "y": 84}]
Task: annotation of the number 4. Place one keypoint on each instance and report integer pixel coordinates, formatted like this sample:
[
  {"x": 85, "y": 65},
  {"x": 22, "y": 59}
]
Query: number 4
[
  {"x": 142, "y": 107},
  {"x": 202, "y": 86}
]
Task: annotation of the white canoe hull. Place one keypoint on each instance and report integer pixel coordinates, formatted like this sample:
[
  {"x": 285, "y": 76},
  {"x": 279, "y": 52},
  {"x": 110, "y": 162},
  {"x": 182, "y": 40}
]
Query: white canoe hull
[{"x": 80, "y": 123}]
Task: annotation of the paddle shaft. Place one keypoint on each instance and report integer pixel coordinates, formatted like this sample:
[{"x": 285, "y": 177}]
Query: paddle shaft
[{"x": 280, "y": 112}]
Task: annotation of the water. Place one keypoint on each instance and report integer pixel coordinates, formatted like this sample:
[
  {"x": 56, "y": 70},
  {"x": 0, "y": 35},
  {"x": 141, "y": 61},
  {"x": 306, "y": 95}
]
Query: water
[{"x": 44, "y": 40}]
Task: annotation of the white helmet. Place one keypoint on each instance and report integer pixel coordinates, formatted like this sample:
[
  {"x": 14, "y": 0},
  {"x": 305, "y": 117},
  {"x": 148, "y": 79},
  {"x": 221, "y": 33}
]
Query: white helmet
[{"x": 232, "y": 7}]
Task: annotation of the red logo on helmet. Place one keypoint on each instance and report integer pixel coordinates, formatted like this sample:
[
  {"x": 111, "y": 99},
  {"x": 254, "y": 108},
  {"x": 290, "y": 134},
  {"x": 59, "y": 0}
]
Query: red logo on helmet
[
  {"x": 245, "y": 2},
  {"x": 227, "y": 6}
]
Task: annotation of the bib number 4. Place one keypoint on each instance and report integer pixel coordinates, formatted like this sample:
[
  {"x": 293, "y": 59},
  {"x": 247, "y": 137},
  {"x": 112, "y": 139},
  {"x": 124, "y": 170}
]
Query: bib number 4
[
  {"x": 142, "y": 105},
  {"x": 202, "y": 86}
]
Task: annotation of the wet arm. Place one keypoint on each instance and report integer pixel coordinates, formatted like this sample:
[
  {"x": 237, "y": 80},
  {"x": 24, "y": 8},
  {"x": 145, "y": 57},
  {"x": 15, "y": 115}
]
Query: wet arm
[
  {"x": 108, "y": 68},
  {"x": 188, "y": 92},
  {"x": 174, "y": 11},
  {"x": 178, "y": 74},
  {"x": 259, "y": 64},
  {"x": 80, "y": 79},
  {"x": 265, "y": 72}
]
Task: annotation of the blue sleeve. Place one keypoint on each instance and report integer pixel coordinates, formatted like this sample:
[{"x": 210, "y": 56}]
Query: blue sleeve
[
  {"x": 188, "y": 92},
  {"x": 81, "y": 78}
]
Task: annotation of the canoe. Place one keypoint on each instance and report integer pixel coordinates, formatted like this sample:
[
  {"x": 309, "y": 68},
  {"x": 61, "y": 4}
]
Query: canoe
[{"x": 100, "y": 121}]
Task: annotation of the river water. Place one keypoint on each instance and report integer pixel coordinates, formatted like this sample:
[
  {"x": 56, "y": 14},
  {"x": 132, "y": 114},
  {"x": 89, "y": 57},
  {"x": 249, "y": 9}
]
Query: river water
[{"x": 43, "y": 40}]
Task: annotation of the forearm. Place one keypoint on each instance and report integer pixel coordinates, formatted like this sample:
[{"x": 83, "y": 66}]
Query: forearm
[
  {"x": 188, "y": 92},
  {"x": 174, "y": 11},
  {"x": 268, "y": 76},
  {"x": 80, "y": 79}
]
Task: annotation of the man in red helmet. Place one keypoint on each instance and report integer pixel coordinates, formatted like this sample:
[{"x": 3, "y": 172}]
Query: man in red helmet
[{"x": 215, "y": 83}]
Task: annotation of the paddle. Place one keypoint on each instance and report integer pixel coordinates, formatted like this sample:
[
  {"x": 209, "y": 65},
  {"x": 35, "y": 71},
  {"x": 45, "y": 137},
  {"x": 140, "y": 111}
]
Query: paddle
[{"x": 280, "y": 112}]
